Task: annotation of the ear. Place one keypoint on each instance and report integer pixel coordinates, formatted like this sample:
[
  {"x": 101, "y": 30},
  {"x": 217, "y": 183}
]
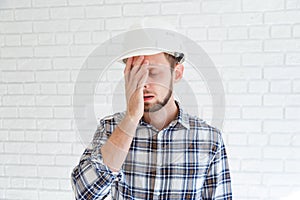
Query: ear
[{"x": 178, "y": 72}]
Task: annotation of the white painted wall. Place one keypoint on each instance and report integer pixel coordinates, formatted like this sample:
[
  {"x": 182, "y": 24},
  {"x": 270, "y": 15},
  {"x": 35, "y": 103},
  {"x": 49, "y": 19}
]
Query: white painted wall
[{"x": 255, "y": 45}]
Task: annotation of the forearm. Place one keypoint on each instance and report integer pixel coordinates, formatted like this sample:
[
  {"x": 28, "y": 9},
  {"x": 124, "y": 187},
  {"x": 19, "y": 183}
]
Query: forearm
[{"x": 115, "y": 150}]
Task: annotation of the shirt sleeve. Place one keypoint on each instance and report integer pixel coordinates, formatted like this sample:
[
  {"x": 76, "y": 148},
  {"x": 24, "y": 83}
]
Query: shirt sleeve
[
  {"x": 91, "y": 178},
  {"x": 217, "y": 185}
]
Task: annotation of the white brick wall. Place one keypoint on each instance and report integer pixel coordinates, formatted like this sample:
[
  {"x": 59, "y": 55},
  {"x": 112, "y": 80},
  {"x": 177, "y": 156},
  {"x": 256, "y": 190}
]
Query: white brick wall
[{"x": 254, "y": 44}]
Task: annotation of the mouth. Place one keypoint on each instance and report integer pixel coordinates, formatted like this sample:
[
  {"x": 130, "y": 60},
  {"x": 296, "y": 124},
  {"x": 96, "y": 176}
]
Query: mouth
[{"x": 148, "y": 97}]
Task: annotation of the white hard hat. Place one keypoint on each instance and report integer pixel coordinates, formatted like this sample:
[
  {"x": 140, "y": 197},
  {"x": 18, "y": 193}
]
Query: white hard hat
[{"x": 143, "y": 40}]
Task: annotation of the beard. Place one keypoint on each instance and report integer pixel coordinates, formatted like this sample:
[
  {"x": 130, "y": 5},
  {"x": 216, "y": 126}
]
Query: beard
[{"x": 159, "y": 104}]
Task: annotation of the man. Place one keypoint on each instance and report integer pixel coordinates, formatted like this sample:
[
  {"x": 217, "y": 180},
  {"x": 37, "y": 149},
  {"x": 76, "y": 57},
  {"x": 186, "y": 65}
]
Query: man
[{"x": 154, "y": 150}]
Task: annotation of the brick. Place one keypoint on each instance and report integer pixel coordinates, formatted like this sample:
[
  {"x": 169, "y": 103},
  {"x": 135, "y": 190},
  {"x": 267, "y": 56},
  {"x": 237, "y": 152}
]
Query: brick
[
  {"x": 17, "y": 52},
  {"x": 141, "y": 9},
  {"x": 281, "y": 31},
  {"x": 221, "y": 6},
  {"x": 245, "y": 153},
  {"x": 65, "y": 88},
  {"x": 46, "y": 39},
  {"x": 202, "y": 20},
  {"x": 262, "y": 113},
  {"x": 83, "y": 38},
  {"x": 67, "y": 12},
  {"x": 82, "y": 50},
  {"x": 252, "y": 178},
  {"x": 242, "y": 19},
  {"x": 29, "y": 39},
  {"x": 296, "y": 31},
  {"x": 49, "y": 136},
  {"x": 292, "y": 113},
  {"x": 86, "y": 25},
  {"x": 87, "y": 2},
  {"x": 236, "y": 87},
  {"x": 53, "y": 3},
  {"x": 293, "y": 100},
  {"x": 241, "y": 73},
  {"x": 279, "y": 178},
  {"x": 100, "y": 36},
  {"x": 236, "y": 33},
  {"x": 13, "y": 40},
  {"x": 280, "y": 139},
  {"x": 237, "y": 139},
  {"x": 259, "y": 32},
  {"x": 20, "y": 147},
  {"x": 22, "y": 194},
  {"x": 286, "y": 17},
  {"x": 274, "y": 100},
  {"x": 62, "y": 160},
  {"x": 103, "y": 10},
  {"x": 242, "y": 46},
  {"x": 226, "y": 59},
  {"x": 67, "y": 63},
  {"x": 16, "y": 136},
  {"x": 54, "y": 124},
  {"x": 258, "y": 86},
  {"x": 292, "y": 166},
  {"x": 10, "y": 159},
  {"x": 50, "y": 51},
  {"x": 51, "y": 26},
  {"x": 250, "y": 59},
  {"x": 258, "y": 139},
  {"x": 197, "y": 33},
  {"x": 6, "y": 15},
  {"x": 48, "y": 100},
  {"x": 19, "y": 124},
  {"x": 32, "y": 14},
  {"x": 215, "y": 47},
  {"x": 35, "y": 112},
  {"x": 52, "y": 76},
  {"x": 281, "y": 87},
  {"x": 292, "y": 4},
  {"x": 16, "y": 27},
  {"x": 18, "y": 100},
  {"x": 31, "y": 88},
  {"x": 16, "y": 4},
  {"x": 237, "y": 126},
  {"x": 55, "y": 172},
  {"x": 180, "y": 8},
  {"x": 37, "y": 159},
  {"x": 281, "y": 73},
  {"x": 7, "y": 64},
  {"x": 280, "y": 126},
  {"x": 282, "y": 45},
  {"x": 68, "y": 136},
  {"x": 296, "y": 86},
  {"x": 14, "y": 89},
  {"x": 48, "y": 195},
  {"x": 217, "y": 33},
  {"x": 266, "y": 5},
  {"x": 8, "y": 112},
  {"x": 293, "y": 59},
  {"x": 64, "y": 38},
  {"x": 259, "y": 165},
  {"x": 63, "y": 112},
  {"x": 49, "y": 88},
  {"x": 54, "y": 148},
  {"x": 34, "y": 64}
]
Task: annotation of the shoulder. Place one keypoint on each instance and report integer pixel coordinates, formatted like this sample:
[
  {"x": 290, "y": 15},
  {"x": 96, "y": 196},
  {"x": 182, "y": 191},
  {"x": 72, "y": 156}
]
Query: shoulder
[{"x": 203, "y": 130}]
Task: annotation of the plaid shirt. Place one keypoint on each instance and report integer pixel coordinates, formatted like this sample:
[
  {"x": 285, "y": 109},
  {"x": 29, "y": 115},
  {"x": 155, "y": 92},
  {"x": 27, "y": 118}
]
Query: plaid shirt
[{"x": 186, "y": 160}]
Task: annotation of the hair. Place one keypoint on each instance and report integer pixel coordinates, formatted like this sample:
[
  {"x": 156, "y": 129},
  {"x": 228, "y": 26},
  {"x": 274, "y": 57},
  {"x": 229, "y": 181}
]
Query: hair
[{"x": 172, "y": 60}]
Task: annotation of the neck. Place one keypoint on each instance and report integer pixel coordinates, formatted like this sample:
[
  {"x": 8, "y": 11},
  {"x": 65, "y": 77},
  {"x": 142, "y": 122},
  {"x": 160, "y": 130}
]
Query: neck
[{"x": 163, "y": 117}]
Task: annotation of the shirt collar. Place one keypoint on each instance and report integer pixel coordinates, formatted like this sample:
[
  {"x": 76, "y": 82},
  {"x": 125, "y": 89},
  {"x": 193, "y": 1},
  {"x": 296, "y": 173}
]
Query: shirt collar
[{"x": 182, "y": 118}]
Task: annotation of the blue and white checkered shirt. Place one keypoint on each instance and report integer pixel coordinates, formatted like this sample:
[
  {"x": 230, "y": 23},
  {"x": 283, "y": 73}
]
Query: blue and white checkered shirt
[{"x": 186, "y": 160}]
